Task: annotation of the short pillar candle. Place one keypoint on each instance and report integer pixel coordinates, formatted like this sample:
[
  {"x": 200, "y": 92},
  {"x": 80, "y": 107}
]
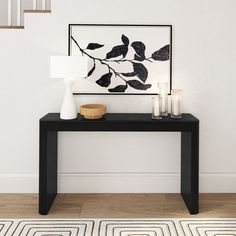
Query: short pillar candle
[
  {"x": 156, "y": 108},
  {"x": 176, "y": 103}
]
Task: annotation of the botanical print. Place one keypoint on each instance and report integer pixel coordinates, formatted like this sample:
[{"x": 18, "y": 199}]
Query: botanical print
[{"x": 122, "y": 66}]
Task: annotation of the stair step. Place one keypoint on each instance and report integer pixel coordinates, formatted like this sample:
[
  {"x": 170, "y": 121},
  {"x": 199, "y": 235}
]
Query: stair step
[
  {"x": 25, "y": 11},
  {"x": 37, "y": 11},
  {"x": 11, "y": 27}
]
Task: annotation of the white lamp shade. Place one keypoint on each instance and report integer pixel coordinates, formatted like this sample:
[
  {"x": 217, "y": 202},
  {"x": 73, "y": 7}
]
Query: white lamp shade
[{"x": 73, "y": 67}]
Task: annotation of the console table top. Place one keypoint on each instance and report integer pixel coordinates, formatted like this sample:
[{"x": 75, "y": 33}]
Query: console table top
[{"x": 121, "y": 117}]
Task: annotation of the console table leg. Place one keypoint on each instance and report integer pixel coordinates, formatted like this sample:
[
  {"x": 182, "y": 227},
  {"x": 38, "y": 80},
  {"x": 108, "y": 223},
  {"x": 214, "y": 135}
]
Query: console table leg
[
  {"x": 47, "y": 169},
  {"x": 190, "y": 169}
]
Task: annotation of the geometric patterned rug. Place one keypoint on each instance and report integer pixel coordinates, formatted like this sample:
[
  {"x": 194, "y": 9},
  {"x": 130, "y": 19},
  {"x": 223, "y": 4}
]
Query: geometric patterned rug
[{"x": 119, "y": 227}]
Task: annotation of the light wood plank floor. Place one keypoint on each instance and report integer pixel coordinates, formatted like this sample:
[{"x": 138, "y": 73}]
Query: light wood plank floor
[{"x": 116, "y": 205}]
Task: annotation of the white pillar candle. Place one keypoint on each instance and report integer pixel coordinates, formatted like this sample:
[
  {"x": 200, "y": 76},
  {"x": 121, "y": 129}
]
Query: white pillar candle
[
  {"x": 163, "y": 91},
  {"x": 176, "y": 106},
  {"x": 163, "y": 103},
  {"x": 163, "y": 88},
  {"x": 176, "y": 103},
  {"x": 157, "y": 107}
]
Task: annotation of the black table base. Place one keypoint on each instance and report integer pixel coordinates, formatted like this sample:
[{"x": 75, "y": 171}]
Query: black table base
[{"x": 51, "y": 124}]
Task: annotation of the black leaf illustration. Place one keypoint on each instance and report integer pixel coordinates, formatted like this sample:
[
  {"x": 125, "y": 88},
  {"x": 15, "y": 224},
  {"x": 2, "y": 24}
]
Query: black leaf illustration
[
  {"x": 92, "y": 70},
  {"x": 93, "y": 46},
  {"x": 125, "y": 40},
  {"x": 138, "y": 85},
  {"x": 119, "y": 88},
  {"x": 139, "y": 48},
  {"x": 138, "y": 58},
  {"x": 139, "y": 70},
  {"x": 105, "y": 80},
  {"x": 129, "y": 74},
  {"x": 120, "y": 50},
  {"x": 162, "y": 54}
]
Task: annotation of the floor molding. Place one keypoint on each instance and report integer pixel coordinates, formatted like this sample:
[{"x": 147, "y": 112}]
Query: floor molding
[{"x": 118, "y": 183}]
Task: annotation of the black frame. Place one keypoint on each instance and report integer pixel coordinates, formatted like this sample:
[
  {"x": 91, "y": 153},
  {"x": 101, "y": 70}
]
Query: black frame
[{"x": 69, "y": 53}]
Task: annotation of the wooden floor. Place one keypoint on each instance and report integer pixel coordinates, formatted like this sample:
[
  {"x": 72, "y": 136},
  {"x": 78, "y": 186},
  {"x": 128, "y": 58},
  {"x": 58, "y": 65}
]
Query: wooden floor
[{"x": 116, "y": 205}]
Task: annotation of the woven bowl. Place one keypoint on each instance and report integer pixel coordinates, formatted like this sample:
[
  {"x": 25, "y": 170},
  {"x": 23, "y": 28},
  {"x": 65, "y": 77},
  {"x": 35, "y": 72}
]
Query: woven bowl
[{"x": 93, "y": 111}]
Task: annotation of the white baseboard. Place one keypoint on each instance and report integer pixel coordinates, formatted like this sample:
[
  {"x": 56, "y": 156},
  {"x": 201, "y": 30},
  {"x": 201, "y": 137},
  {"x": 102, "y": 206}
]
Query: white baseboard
[{"x": 118, "y": 183}]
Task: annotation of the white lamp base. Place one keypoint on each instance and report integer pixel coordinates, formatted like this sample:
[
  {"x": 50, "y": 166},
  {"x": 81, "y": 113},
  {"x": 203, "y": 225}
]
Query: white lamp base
[{"x": 68, "y": 109}]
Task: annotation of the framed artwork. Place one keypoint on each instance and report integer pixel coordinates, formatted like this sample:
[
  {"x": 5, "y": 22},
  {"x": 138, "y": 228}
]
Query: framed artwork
[{"x": 123, "y": 59}]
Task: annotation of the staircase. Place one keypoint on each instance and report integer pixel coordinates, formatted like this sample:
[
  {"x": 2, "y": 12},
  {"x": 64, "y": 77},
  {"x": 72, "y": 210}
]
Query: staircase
[{"x": 12, "y": 11}]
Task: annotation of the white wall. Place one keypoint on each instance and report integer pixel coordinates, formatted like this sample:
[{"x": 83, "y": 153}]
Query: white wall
[{"x": 204, "y": 57}]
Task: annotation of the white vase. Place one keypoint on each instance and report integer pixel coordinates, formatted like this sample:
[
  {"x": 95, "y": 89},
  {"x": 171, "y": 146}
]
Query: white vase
[{"x": 68, "y": 109}]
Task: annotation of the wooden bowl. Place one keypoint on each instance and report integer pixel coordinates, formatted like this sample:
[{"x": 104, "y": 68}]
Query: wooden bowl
[{"x": 93, "y": 111}]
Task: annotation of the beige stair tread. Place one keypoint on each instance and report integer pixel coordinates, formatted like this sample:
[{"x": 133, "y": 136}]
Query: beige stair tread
[
  {"x": 11, "y": 27},
  {"x": 22, "y": 27},
  {"x": 37, "y": 11}
]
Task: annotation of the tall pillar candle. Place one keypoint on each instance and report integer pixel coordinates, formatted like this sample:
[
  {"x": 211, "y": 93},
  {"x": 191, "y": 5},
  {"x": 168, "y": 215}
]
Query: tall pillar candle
[{"x": 163, "y": 92}]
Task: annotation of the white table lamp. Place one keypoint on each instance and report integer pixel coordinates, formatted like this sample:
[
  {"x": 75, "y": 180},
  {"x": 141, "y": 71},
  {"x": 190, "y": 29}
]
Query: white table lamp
[{"x": 70, "y": 68}]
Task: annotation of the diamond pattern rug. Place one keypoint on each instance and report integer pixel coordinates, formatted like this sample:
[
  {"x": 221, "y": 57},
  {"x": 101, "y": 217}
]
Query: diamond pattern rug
[{"x": 119, "y": 227}]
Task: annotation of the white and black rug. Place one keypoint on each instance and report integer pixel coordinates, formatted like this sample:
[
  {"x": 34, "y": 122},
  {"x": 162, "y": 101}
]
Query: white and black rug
[{"x": 119, "y": 227}]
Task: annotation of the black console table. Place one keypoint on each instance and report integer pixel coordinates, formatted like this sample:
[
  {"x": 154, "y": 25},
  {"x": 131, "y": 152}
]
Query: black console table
[{"x": 51, "y": 124}]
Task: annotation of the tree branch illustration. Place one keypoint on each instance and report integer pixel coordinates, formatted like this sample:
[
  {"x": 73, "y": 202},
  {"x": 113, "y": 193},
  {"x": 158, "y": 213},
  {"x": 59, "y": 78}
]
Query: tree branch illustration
[
  {"x": 102, "y": 61},
  {"x": 139, "y": 69}
]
